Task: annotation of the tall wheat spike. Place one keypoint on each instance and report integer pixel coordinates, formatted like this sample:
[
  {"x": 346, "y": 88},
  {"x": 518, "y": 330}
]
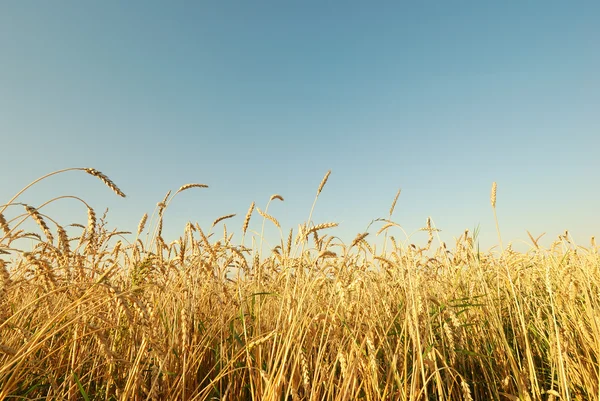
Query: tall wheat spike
[
  {"x": 394, "y": 202},
  {"x": 142, "y": 224},
  {"x": 220, "y": 219},
  {"x": 493, "y": 202}
]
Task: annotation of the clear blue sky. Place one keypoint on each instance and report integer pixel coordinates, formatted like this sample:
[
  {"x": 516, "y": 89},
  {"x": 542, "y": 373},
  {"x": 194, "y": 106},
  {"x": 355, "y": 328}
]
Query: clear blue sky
[{"x": 257, "y": 98}]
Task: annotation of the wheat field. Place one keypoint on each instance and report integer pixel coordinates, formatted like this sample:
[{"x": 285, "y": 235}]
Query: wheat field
[{"x": 96, "y": 314}]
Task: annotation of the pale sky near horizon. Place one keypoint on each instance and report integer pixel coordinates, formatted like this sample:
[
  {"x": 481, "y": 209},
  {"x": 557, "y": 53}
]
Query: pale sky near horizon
[{"x": 257, "y": 98}]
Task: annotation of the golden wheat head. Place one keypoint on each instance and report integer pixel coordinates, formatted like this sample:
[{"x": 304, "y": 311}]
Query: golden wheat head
[
  {"x": 493, "y": 196},
  {"x": 394, "y": 202},
  {"x": 188, "y": 186},
  {"x": 276, "y": 196},
  {"x": 107, "y": 181},
  {"x": 323, "y": 182},
  {"x": 247, "y": 219}
]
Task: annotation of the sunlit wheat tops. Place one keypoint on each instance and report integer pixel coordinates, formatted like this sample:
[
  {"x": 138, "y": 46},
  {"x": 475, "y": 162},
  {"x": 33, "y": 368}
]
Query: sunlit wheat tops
[
  {"x": 247, "y": 219},
  {"x": 105, "y": 180},
  {"x": 100, "y": 319}
]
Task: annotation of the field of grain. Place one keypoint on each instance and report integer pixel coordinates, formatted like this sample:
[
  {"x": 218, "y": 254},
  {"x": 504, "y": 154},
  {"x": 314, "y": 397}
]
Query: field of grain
[{"x": 94, "y": 316}]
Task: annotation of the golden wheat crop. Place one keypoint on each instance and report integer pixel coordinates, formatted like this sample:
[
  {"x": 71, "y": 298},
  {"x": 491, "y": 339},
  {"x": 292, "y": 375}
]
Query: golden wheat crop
[{"x": 84, "y": 314}]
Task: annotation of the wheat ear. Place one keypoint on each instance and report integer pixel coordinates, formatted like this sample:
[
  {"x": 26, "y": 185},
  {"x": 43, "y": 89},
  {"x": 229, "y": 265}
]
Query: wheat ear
[
  {"x": 105, "y": 180},
  {"x": 220, "y": 219},
  {"x": 493, "y": 202},
  {"x": 37, "y": 217}
]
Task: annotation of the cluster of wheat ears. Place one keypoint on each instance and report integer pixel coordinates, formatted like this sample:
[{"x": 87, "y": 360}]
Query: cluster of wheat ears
[{"x": 87, "y": 314}]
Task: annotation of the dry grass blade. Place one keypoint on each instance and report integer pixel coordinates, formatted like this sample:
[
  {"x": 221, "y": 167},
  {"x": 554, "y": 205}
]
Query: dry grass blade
[
  {"x": 247, "y": 219},
  {"x": 105, "y": 180},
  {"x": 268, "y": 217},
  {"x": 37, "y": 217},
  {"x": 142, "y": 224},
  {"x": 323, "y": 182},
  {"x": 220, "y": 219},
  {"x": 188, "y": 186}
]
